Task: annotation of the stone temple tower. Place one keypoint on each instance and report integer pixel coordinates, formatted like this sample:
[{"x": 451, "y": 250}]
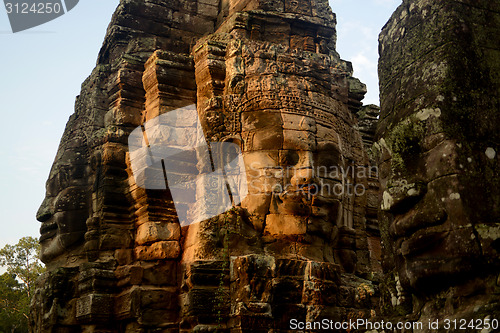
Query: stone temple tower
[
  {"x": 129, "y": 249},
  {"x": 437, "y": 139}
]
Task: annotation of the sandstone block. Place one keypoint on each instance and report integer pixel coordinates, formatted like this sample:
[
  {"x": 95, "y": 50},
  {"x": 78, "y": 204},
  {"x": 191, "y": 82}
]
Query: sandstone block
[
  {"x": 206, "y": 302},
  {"x": 208, "y": 9},
  {"x": 291, "y": 268},
  {"x": 115, "y": 238},
  {"x": 252, "y": 276},
  {"x": 257, "y": 160},
  {"x": 123, "y": 256},
  {"x": 257, "y": 204},
  {"x": 126, "y": 303},
  {"x": 324, "y": 271},
  {"x": 298, "y": 122},
  {"x": 151, "y": 232},
  {"x": 316, "y": 293},
  {"x": 285, "y": 225},
  {"x": 263, "y": 139},
  {"x": 158, "y": 250},
  {"x": 299, "y": 140},
  {"x": 158, "y": 298},
  {"x": 129, "y": 275},
  {"x": 253, "y": 120},
  {"x": 94, "y": 307},
  {"x": 158, "y": 318},
  {"x": 164, "y": 273}
]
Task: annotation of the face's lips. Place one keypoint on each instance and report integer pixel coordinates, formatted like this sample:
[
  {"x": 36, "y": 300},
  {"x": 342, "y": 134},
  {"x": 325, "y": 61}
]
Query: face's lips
[
  {"x": 48, "y": 230},
  {"x": 418, "y": 231},
  {"x": 415, "y": 220},
  {"x": 293, "y": 202},
  {"x": 422, "y": 241},
  {"x": 304, "y": 201}
]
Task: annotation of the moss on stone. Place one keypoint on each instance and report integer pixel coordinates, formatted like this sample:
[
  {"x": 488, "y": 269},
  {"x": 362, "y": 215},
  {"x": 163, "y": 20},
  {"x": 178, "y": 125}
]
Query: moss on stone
[{"x": 404, "y": 141}]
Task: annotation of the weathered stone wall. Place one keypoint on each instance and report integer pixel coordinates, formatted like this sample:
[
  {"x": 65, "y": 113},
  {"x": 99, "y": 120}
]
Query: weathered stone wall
[
  {"x": 87, "y": 248},
  {"x": 438, "y": 141},
  {"x": 262, "y": 74}
]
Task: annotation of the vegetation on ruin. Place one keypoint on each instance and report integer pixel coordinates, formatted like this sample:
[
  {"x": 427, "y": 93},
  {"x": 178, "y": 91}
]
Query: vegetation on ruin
[
  {"x": 17, "y": 284},
  {"x": 404, "y": 142}
]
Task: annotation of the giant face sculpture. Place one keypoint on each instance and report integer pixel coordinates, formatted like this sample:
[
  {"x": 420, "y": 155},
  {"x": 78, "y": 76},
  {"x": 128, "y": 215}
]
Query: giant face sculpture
[
  {"x": 65, "y": 208},
  {"x": 434, "y": 236},
  {"x": 439, "y": 120},
  {"x": 299, "y": 149},
  {"x": 289, "y": 110},
  {"x": 294, "y": 180}
]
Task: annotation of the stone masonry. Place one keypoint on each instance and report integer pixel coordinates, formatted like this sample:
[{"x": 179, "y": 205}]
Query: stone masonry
[
  {"x": 437, "y": 144},
  {"x": 264, "y": 75}
]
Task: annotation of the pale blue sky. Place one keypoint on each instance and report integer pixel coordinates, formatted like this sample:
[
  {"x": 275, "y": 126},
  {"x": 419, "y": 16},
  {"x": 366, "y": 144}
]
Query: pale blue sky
[{"x": 41, "y": 71}]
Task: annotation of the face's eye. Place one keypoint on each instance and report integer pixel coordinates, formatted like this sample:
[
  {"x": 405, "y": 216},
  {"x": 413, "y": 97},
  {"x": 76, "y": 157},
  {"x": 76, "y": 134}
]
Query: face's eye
[
  {"x": 329, "y": 155},
  {"x": 328, "y": 160},
  {"x": 289, "y": 158},
  {"x": 58, "y": 182},
  {"x": 72, "y": 198},
  {"x": 66, "y": 176}
]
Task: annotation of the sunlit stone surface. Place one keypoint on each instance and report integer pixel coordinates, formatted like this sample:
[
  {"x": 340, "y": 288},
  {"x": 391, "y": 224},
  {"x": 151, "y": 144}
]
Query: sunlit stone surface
[{"x": 253, "y": 205}]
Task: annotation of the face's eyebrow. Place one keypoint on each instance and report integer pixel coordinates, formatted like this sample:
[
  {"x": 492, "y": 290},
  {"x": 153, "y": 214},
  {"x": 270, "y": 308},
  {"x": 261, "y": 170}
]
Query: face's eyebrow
[{"x": 328, "y": 145}]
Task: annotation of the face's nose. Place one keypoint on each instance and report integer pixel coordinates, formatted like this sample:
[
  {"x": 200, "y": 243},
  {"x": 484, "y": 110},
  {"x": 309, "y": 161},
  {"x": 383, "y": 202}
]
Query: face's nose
[
  {"x": 44, "y": 213},
  {"x": 303, "y": 173}
]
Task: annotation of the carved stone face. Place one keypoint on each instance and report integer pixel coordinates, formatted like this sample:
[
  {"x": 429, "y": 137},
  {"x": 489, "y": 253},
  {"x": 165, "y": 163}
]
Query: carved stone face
[
  {"x": 296, "y": 142},
  {"x": 65, "y": 208},
  {"x": 442, "y": 191},
  {"x": 294, "y": 173},
  {"x": 291, "y": 163},
  {"x": 435, "y": 238}
]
